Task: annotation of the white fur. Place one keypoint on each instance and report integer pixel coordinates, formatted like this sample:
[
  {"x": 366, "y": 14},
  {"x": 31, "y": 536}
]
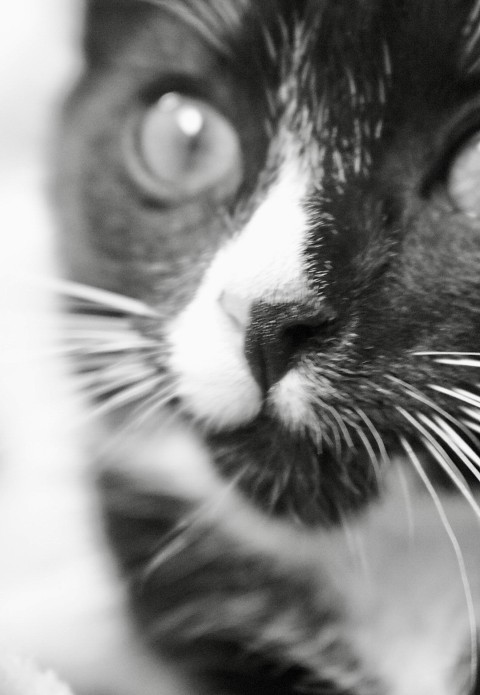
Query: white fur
[
  {"x": 403, "y": 592},
  {"x": 290, "y": 399},
  {"x": 170, "y": 459},
  {"x": 60, "y": 599},
  {"x": 214, "y": 380},
  {"x": 263, "y": 262}
]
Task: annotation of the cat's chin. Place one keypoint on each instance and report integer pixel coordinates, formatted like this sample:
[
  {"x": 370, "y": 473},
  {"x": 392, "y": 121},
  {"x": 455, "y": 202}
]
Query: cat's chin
[
  {"x": 290, "y": 476},
  {"x": 283, "y": 474}
]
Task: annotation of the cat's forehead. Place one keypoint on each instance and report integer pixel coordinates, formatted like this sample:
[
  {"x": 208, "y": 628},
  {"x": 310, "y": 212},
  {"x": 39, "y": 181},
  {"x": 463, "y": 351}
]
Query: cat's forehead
[
  {"x": 336, "y": 23},
  {"x": 360, "y": 89},
  {"x": 333, "y": 49}
]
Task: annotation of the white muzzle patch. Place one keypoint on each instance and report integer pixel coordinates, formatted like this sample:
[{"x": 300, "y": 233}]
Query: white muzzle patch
[{"x": 262, "y": 263}]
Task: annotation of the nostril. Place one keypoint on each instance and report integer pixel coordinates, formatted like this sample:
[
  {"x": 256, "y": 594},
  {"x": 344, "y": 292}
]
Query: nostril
[
  {"x": 296, "y": 337},
  {"x": 278, "y": 332}
]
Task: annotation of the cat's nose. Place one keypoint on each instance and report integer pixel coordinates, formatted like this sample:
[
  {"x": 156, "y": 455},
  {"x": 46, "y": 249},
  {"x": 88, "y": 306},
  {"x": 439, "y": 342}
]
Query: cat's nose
[
  {"x": 277, "y": 333},
  {"x": 237, "y": 308}
]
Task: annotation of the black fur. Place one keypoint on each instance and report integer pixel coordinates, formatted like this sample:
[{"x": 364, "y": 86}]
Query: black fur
[
  {"x": 382, "y": 95},
  {"x": 397, "y": 281},
  {"x": 235, "y": 619}
]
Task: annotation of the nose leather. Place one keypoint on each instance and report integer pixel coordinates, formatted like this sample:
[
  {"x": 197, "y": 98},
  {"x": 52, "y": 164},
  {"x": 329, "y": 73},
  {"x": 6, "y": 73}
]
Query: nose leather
[
  {"x": 276, "y": 333},
  {"x": 236, "y": 308}
]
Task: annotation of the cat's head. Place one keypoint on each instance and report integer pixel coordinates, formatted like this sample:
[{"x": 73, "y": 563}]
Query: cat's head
[{"x": 294, "y": 190}]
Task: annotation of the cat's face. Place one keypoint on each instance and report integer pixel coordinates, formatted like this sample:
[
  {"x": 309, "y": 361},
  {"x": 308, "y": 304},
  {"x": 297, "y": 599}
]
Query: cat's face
[{"x": 293, "y": 188}]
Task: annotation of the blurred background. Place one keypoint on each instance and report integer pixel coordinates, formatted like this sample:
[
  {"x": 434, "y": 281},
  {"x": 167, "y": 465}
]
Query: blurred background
[
  {"x": 61, "y": 603},
  {"x": 50, "y": 580},
  {"x": 38, "y": 59}
]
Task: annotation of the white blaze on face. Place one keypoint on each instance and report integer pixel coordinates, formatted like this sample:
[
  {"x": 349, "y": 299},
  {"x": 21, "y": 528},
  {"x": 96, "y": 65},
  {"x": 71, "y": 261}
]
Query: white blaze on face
[{"x": 264, "y": 262}]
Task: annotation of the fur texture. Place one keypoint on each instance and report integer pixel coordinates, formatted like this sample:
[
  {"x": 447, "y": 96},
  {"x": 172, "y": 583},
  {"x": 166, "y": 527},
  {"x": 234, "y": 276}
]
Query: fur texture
[{"x": 292, "y": 345}]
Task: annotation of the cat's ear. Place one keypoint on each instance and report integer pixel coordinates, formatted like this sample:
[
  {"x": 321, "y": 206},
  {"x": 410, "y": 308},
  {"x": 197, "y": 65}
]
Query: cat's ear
[{"x": 108, "y": 23}]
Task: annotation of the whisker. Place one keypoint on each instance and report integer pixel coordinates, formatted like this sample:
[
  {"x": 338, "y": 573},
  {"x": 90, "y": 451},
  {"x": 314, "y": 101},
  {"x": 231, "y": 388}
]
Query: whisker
[
  {"x": 180, "y": 539},
  {"x": 342, "y": 425},
  {"x": 355, "y": 546},
  {"x": 472, "y": 621},
  {"x": 472, "y": 425},
  {"x": 456, "y": 443},
  {"x": 86, "y": 345},
  {"x": 469, "y": 394},
  {"x": 115, "y": 384},
  {"x": 104, "y": 352},
  {"x": 410, "y": 516},
  {"x": 85, "y": 335},
  {"x": 472, "y": 412},
  {"x": 152, "y": 407},
  {"x": 107, "y": 331},
  {"x": 73, "y": 319},
  {"x": 337, "y": 440},
  {"x": 371, "y": 453},
  {"x": 461, "y": 354},
  {"x": 106, "y": 363},
  {"x": 355, "y": 541},
  {"x": 459, "y": 363},
  {"x": 459, "y": 394},
  {"x": 109, "y": 322},
  {"x": 94, "y": 295},
  {"x": 105, "y": 349},
  {"x": 419, "y": 396},
  {"x": 474, "y": 457},
  {"x": 127, "y": 396},
  {"x": 445, "y": 462},
  {"x": 376, "y": 435},
  {"x": 448, "y": 466},
  {"x": 93, "y": 366},
  {"x": 121, "y": 436},
  {"x": 196, "y": 521}
]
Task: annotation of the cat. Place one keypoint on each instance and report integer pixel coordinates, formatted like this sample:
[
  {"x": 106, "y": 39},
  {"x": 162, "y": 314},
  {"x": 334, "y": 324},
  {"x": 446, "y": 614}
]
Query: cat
[{"x": 270, "y": 219}]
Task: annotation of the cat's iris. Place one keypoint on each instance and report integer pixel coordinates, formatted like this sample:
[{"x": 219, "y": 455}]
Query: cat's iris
[
  {"x": 185, "y": 148},
  {"x": 464, "y": 177}
]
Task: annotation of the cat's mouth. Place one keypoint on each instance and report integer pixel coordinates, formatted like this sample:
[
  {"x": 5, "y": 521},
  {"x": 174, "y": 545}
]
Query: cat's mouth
[
  {"x": 287, "y": 460},
  {"x": 294, "y": 476}
]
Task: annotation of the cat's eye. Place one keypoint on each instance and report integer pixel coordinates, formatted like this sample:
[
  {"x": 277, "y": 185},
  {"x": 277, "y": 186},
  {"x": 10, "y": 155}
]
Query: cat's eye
[
  {"x": 463, "y": 180},
  {"x": 184, "y": 148}
]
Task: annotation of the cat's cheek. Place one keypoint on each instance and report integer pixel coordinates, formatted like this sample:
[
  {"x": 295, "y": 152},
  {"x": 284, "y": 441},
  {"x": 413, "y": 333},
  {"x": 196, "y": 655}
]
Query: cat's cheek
[{"x": 213, "y": 379}]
